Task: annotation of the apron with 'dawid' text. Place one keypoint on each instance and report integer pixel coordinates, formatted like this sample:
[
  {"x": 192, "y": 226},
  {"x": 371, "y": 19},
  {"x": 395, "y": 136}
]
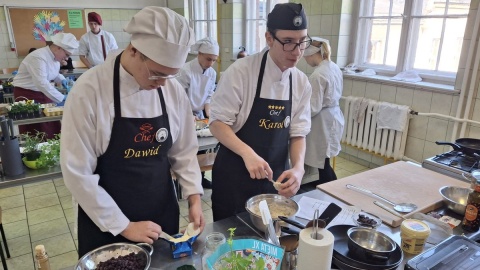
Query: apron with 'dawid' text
[
  {"x": 267, "y": 132},
  {"x": 135, "y": 172}
]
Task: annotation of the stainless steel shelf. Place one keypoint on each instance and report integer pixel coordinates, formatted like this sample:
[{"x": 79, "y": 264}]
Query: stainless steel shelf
[
  {"x": 42, "y": 119},
  {"x": 30, "y": 176}
]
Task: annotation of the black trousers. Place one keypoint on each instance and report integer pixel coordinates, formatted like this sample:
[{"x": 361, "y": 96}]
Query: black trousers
[{"x": 326, "y": 174}]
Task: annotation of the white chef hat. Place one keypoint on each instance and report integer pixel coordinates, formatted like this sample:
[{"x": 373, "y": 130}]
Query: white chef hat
[
  {"x": 312, "y": 49},
  {"x": 206, "y": 45},
  {"x": 66, "y": 41},
  {"x": 162, "y": 35}
]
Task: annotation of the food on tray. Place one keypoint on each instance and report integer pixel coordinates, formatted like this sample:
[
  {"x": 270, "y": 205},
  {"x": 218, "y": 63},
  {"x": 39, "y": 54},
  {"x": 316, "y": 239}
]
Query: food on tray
[{"x": 130, "y": 261}]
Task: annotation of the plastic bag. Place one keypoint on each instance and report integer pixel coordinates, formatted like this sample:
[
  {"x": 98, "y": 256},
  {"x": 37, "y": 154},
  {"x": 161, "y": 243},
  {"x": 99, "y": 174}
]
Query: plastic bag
[{"x": 439, "y": 229}]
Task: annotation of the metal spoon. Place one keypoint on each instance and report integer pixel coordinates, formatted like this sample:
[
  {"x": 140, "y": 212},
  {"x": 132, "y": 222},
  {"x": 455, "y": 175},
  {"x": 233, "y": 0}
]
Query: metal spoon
[{"x": 399, "y": 207}]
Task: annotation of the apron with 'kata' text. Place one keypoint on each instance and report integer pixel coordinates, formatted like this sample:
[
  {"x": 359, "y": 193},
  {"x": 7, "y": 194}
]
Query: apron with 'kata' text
[
  {"x": 135, "y": 172},
  {"x": 266, "y": 131}
]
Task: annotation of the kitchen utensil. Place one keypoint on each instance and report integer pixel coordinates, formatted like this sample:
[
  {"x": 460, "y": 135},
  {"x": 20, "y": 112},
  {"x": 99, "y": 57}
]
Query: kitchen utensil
[
  {"x": 399, "y": 207},
  {"x": 386, "y": 208},
  {"x": 365, "y": 219},
  {"x": 455, "y": 198},
  {"x": 468, "y": 146},
  {"x": 90, "y": 260},
  {"x": 289, "y": 230},
  {"x": 267, "y": 221},
  {"x": 286, "y": 207},
  {"x": 315, "y": 226},
  {"x": 166, "y": 236},
  {"x": 290, "y": 244},
  {"x": 342, "y": 253},
  {"x": 297, "y": 224},
  {"x": 370, "y": 245}
]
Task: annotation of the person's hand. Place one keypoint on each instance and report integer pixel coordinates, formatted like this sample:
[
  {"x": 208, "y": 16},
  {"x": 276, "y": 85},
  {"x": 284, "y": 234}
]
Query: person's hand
[
  {"x": 62, "y": 103},
  {"x": 195, "y": 213},
  {"x": 257, "y": 166},
  {"x": 142, "y": 231},
  {"x": 291, "y": 180},
  {"x": 65, "y": 84},
  {"x": 63, "y": 63}
]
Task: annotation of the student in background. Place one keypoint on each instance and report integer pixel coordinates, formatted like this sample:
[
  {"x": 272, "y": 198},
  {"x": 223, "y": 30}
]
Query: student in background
[
  {"x": 97, "y": 43},
  {"x": 67, "y": 64},
  {"x": 198, "y": 79},
  {"x": 323, "y": 141},
  {"x": 34, "y": 76}
]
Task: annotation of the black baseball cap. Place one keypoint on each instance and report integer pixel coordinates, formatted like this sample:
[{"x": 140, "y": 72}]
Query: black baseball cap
[{"x": 287, "y": 16}]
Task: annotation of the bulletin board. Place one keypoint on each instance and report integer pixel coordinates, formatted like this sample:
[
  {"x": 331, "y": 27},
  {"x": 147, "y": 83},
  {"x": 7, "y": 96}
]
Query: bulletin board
[{"x": 33, "y": 27}]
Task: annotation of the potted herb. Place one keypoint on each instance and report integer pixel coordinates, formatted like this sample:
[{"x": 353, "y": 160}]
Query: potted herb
[
  {"x": 31, "y": 145},
  {"x": 39, "y": 153},
  {"x": 7, "y": 86},
  {"x": 23, "y": 109}
]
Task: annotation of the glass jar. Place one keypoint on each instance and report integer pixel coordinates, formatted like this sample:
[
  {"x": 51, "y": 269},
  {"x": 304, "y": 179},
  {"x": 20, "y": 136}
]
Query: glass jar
[{"x": 212, "y": 242}]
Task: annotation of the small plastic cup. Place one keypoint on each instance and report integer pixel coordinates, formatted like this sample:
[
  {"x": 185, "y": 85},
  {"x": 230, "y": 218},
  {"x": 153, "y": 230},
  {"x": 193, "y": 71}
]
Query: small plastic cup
[{"x": 414, "y": 234}]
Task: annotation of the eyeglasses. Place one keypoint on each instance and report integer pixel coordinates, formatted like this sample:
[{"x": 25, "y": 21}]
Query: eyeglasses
[
  {"x": 291, "y": 46},
  {"x": 159, "y": 77}
]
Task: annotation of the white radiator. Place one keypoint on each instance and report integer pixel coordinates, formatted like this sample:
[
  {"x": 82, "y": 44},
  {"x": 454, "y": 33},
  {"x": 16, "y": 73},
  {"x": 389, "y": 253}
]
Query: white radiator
[{"x": 361, "y": 131}]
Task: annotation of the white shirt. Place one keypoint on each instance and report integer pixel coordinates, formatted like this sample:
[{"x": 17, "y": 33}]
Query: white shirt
[
  {"x": 233, "y": 99},
  {"x": 91, "y": 46},
  {"x": 199, "y": 85},
  {"x": 37, "y": 70},
  {"x": 327, "y": 118},
  {"x": 86, "y": 129}
]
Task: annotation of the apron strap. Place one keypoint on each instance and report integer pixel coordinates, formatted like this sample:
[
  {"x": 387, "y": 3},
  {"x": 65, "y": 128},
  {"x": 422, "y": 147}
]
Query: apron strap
[
  {"x": 164, "y": 107},
  {"x": 116, "y": 86}
]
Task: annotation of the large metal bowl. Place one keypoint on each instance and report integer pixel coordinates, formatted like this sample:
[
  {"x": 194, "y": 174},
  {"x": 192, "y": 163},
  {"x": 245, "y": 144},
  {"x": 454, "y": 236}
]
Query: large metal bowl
[
  {"x": 272, "y": 200},
  {"x": 370, "y": 244},
  {"x": 455, "y": 198},
  {"x": 90, "y": 260}
]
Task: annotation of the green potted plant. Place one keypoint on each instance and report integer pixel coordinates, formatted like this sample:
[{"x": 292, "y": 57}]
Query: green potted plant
[{"x": 39, "y": 153}]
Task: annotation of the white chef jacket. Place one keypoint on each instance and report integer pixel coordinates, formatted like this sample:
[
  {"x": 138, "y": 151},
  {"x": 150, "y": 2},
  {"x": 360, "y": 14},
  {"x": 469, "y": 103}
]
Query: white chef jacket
[
  {"x": 86, "y": 128},
  {"x": 37, "y": 70},
  {"x": 199, "y": 85},
  {"x": 233, "y": 99},
  {"x": 91, "y": 46},
  {"x": 327, "y": 118}
]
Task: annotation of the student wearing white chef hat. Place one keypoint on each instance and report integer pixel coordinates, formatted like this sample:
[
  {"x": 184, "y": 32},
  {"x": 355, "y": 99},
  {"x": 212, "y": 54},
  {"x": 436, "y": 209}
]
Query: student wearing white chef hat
[
  {"x": 127, "y": 124},
  {"x": 35, "y": 73},
  {"x": 198, "y": 78},
  {"x": 323, "y": 141},
  {"x": 260, "y": 113}
]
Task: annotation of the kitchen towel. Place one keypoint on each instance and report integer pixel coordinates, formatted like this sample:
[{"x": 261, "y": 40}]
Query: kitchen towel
[
  {"x": 315, "y": 254},
  {"x": 359, "y": 108},
  {"x": 392, "y": 116}
]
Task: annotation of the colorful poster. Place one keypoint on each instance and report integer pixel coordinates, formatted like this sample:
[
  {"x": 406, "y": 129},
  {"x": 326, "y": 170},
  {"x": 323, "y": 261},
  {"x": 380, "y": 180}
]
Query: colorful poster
[
  {"x": 75, "y": 18},
  {"x": 47, "y": 24}
]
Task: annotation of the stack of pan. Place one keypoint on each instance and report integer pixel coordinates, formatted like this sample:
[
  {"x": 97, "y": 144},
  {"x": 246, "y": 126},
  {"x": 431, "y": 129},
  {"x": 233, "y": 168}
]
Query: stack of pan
[{"x": 344, "y": 259}]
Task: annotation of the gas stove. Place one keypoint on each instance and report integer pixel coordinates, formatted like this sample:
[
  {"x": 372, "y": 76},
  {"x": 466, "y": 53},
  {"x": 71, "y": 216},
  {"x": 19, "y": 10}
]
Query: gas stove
[{"x": 452, "y": 163}]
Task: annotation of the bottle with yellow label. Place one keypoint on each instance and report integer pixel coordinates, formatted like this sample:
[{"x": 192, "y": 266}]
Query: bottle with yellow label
[{"x": 471, "y": 221}]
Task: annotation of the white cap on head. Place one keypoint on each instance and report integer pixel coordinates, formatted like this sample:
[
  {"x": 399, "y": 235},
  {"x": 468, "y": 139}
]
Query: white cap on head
[
  {"x": 311, "y": 50},
  {"x": 162, "y": 35},
  {"x": 206, "y": 45},
  {"x": 66, "y": 41}
]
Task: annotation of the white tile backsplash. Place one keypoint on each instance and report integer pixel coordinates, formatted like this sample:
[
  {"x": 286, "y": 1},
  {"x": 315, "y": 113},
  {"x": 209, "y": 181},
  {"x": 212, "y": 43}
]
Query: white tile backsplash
[
  {"x": 418, "y": 127},
  {"x": 441, "y": 103},
  {"x": 388, "y": 93},
  {"x": 422, "y": 101},
  {"x": 326, "y": 22},
  {"x": 414, "y": 148},
  {"x": 436, "y": 129},
  {"x": 404, "y": 96},
  {"x": 359, "y": 88},
  {"x": 431, "y": 149},
  {"x": 373, "y": 91}
]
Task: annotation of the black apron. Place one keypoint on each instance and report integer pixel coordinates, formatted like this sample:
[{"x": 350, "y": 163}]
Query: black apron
[
  {"x": 135, "y": 171},
  {"x": 266, "y": 131}
]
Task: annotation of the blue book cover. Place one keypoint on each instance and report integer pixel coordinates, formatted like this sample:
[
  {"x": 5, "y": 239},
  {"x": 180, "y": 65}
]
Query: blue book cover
[{"x": 250, "y": 254}]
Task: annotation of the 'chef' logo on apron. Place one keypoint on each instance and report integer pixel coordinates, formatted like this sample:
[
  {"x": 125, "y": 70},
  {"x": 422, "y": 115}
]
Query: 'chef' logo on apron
[
  {"x": 161, "y": 135},
  {"x": 275, "y": 110},
  {"x": 145, "y": 134}
]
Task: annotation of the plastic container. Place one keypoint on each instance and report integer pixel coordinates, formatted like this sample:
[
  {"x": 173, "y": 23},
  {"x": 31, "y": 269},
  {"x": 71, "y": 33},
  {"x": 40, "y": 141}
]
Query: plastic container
[
  {"x": 414, "y": 234},
  {"x": 213, "y": 241}
]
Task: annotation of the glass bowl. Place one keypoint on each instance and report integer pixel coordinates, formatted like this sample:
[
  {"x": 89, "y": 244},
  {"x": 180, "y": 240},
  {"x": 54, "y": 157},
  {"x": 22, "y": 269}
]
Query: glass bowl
[{"x": 367, "y": 220}]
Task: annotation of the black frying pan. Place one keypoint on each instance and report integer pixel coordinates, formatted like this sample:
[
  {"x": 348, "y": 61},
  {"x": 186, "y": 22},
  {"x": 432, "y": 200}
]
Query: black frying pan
[{"x": 468, "y": 146}]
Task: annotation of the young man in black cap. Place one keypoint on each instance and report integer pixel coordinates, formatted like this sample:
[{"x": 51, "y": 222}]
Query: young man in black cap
[{"x": 260, "y": 113}]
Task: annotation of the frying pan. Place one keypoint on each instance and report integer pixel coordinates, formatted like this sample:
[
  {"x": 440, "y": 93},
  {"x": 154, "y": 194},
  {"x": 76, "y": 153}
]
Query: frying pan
[{"x": 468, "y": 146}]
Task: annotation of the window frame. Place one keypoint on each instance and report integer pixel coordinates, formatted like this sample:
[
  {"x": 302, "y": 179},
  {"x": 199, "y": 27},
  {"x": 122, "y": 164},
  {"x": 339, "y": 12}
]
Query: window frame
[
  {"x": 197, "y": 7},
  {"x": 408, "y": 36}
]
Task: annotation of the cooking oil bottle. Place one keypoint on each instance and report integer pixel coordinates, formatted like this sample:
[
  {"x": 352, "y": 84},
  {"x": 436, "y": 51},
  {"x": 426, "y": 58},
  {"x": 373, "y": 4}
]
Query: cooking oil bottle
[{"x": 471, "y": 221}]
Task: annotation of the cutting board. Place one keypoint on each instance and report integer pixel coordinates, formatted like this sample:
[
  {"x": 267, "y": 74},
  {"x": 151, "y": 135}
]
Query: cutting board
[{"x": 398, "y": 182}]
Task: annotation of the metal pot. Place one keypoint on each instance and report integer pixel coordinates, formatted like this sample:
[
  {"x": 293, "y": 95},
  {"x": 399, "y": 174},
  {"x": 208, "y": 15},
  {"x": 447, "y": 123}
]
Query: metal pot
[
  {"x": 369, "y": 244},
  {"x": 90, "y": 260},
  {"x": 468, "y": 146},
  {"x": 272, "y": 199}
]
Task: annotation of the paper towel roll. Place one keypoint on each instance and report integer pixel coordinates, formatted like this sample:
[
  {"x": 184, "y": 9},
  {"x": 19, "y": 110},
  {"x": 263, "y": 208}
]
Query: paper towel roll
[{"x": 315, "y": 254}]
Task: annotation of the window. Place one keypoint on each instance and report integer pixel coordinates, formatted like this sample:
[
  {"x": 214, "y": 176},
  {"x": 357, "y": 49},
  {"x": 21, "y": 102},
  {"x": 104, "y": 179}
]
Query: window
[
  {"x": 203, "y": 18},
  {"x": 421, "y": 35},
  {"x": 256, "y": 22}
]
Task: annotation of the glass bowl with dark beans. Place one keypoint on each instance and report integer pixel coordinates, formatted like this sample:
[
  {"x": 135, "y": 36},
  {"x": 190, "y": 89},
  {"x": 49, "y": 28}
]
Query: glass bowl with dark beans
[{"x": 365, "y": 219}]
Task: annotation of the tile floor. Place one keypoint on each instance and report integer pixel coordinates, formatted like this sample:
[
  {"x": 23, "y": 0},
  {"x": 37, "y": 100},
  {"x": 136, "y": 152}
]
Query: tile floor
[{"x": 42, "y": 213}]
